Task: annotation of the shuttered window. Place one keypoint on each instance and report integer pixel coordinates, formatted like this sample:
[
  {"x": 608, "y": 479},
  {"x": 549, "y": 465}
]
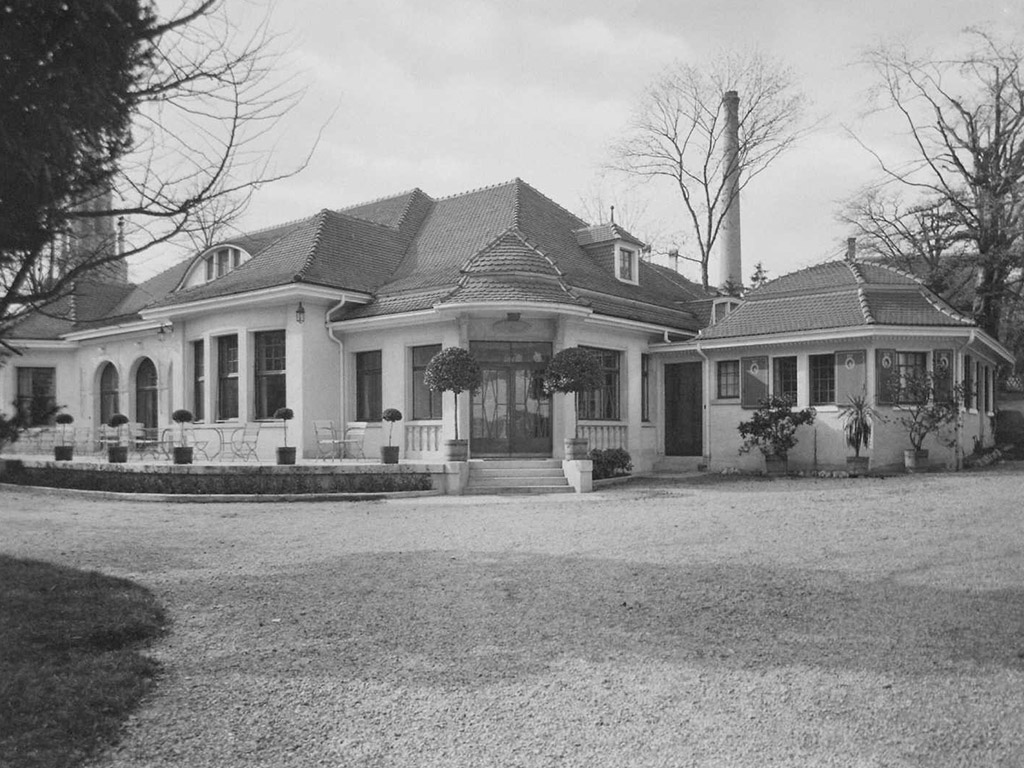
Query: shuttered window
[
  {"x": 851, "y": 375},
  {"x": 755, "y": 381},
  {"x": 822, "y": 369},
  {"x": 784, "y": 378}
]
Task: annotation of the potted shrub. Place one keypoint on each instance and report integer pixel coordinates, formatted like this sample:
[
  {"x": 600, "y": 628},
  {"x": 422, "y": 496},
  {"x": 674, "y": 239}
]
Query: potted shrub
[
  {"x": 389, "y": 452},
  {"x": 117, "y": 453},
  {"x": 182, "y": 451},
  {"x": 856, "y": 416},
  {"x": 454, "y": 370},
  {"x": 772, "y": 430},
  {"x": 573, "y": 370},
  {"x": 285, "y": 454},
  {"x": 64, "y": 452},
  {"x": 922, "y": 411}
]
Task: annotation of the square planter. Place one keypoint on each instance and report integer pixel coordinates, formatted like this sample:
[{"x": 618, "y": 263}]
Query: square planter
[
  {"x": 183, "y": 455},
  {"x": 456, "y": 450},
  {"x": 915, "y": 460},
  {"x": 389, "y": 454},
  {"x": 576, "y": 448},
  {"x": 857, "y": 465},
  {"x": 117, "y": 454},
  {"x": 63, "y": 452},
  {"x": 286, "y": 455}
]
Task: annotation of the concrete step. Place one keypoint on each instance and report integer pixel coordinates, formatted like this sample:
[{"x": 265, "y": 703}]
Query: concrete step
[
  {"x": 526, "y": 480},
  {"x": 518, "y": 489},
  {"x": 510, "y": 476},
  {"x": 524, "y": 472}
]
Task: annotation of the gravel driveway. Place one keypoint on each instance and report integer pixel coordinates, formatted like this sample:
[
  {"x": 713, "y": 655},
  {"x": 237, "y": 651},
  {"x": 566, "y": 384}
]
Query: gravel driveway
[{"x": 716, "y": 623}]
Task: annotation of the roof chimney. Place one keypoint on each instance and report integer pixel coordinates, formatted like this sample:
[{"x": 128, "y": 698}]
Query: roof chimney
[
  {"x": 851, "y": 249},
  {"x": 731, "y": 262},
  {"x": 673, "y": 259}
]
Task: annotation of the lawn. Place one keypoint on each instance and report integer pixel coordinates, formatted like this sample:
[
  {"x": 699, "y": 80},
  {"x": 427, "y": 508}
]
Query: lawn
[{"x": 725, "y": 622}]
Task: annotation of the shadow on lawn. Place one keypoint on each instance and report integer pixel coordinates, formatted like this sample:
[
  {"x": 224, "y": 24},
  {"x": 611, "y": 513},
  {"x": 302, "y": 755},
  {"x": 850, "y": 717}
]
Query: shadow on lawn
[
  {"x": 70, "y": 670},
  {"x": 438, "y": 619}
]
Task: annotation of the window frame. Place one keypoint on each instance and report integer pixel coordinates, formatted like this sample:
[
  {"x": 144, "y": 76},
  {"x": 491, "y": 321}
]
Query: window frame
[
  {"x": 821, "y": 369},
  {"x": 645, "y": 388},
  {"x": 369, "y": 383},
  {"x": 269, "y": 384},
  {"x": 727, "y": 372},
  {"x": 199, "y": 380},
  {"x": 909, "y": 363},
  {"x": 626, "y": 266},
  {"x": 605, "y": 402},
  {"x": 33, "y": 402},
  {"x": 780, "y": 378},
  {"x": 227, "y": 377},
  {"x": 419, "y": 393}
]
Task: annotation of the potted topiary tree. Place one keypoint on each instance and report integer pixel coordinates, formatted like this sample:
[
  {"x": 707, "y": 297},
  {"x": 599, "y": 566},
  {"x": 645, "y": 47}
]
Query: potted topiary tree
[
  {"x": 182, "y": 451},
  {"x": 856, "y": 416},
  {"x": 922, "y": 410},
  {"x": 389, "y": 452},
  {"x": 64, "y": 452},
  {"x": 772, "y": 430},
  {"x": 573, "y": 370},
  {"x": 117, "y": 453},
  {"x": 285, "y": 454},
  {"x": 454, "y": 370}
]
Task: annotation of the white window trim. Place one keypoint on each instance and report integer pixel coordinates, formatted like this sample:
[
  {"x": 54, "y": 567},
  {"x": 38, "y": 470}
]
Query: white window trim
[{"x": 634, "y": 252}]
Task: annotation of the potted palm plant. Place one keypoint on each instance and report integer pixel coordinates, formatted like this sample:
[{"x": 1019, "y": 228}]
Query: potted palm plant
[
  {"x": 285, "y": 454},
  {"x": 64, "y": 452},
  {"x": 573, "y": 370},
  {"x": 857, "y": 416},
  {"x": 182, "y": 451},
  {"x": 117, "y": 453},
  {"x": 772, "y": 430},
  {"x": 389, "y": 452},
  {"x": 454, "y": 370}
]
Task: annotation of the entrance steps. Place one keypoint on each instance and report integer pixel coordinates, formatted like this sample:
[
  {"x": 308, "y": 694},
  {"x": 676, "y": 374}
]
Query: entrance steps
[
  {"x": 517, "y": 476},
  {"x": 678, "y": 465}
]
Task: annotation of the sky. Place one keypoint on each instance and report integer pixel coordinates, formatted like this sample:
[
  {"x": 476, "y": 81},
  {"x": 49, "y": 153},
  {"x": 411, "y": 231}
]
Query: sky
[{"x": 451, "y": 96}]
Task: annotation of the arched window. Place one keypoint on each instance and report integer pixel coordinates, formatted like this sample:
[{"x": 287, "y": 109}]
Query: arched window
[
  {"x": 109, "y": 401},
  {"x": 145, "y": 394}
]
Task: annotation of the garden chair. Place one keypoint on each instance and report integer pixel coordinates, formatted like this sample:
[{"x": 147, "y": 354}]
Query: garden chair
[
  {"x": 244, "y": 441},
  {"x": 352, "y": 443},
  {"x": 328, "y": 446},
  {"x": 198, "y": 444},
  {"x": 144, "y": 441}
]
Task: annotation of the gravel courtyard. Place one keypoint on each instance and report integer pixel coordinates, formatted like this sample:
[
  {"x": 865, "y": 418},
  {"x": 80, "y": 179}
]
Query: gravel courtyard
[{"x": 720, "y": 622}]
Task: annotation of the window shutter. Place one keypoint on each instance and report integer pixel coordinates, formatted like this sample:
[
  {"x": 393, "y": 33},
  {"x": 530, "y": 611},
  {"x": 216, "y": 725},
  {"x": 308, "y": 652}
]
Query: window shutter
[
  {"x": 942, "y": 370},
  {"x": 851, "y": 375},
  {"x": 755, "y": 381},
  {"x": 886, "y": 376}
]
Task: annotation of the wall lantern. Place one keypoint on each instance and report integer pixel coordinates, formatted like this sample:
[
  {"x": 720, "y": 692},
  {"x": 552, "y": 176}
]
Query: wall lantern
[
  {"x": 300, "y": 314},
  {"x": 165, "y": 330}
]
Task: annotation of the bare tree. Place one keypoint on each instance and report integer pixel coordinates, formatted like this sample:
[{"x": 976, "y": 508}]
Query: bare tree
[
  {"x": 964, "y": 121},
  {"x": 203, "y": 99},
  {"x": 678, "y": 134}
]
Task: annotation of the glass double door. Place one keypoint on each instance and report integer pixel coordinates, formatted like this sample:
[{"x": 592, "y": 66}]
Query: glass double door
[{"x": 511, "y": 414}]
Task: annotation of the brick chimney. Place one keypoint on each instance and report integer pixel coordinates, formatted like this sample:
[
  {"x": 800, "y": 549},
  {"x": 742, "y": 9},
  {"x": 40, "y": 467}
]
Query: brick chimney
[{"x": 730, "y": 256}]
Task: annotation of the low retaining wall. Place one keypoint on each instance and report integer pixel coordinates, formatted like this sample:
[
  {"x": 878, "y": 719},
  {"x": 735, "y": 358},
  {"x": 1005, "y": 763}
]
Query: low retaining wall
[{"x": 228, "y": 479}]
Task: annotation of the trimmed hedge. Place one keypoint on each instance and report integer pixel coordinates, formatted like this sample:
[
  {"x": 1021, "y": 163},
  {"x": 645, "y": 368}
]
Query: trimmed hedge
[{"x": 612, "y": 462}]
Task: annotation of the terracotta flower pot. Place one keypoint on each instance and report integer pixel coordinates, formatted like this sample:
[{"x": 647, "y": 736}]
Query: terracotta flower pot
[
  {"x": 775, "y": 466},
  {"x": 183, "y": 454},
  {"x": 286, "y": 455},
  {"x": 389, "y": 454},
  {"x": 857, "y": 465}
]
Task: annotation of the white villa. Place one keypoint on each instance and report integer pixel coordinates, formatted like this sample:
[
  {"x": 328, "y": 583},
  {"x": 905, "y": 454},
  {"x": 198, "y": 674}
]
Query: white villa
[{"x": 336, "y": 316}]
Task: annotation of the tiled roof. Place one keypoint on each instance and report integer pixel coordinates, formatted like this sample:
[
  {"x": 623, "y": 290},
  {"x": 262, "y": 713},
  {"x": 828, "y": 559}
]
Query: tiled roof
[
  {"x": 510, "y": 252},
  {"x": 602, "y": 233},
  {"x": 519, "y": 290},
  {"x": 837, "y": 294}
]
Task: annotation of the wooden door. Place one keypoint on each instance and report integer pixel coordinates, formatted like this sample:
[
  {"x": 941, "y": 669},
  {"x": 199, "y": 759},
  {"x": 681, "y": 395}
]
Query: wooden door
[{"x": 684, "y": 409}]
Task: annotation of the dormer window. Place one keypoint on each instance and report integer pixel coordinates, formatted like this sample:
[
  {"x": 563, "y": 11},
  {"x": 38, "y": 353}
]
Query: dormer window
[
  {"x": 627, "y": 268},
  {"x": 722, "y": 308},
  {"x": 222, "y": 261}
]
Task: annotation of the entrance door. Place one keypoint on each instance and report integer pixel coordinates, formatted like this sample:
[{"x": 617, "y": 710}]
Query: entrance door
[
  {"x": 684, "y": 408},
  {"x": 511, "y": 412}
]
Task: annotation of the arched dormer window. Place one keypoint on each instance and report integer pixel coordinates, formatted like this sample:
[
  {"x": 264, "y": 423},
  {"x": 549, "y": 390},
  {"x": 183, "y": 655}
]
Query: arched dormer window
[{"x": 220, "y": 261}]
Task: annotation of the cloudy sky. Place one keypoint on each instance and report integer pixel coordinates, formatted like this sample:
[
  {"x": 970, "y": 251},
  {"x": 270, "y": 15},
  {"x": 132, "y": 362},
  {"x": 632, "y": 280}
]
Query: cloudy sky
[{"x": 451, "y": 95}]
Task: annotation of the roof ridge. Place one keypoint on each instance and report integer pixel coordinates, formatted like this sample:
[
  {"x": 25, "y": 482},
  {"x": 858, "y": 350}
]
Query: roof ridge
[
  {"x": 865, "y": 308},
  {"x": 314, "y": 246},
  {"x": 555, "y": 203},
  {"x": 251, "y": 233},
  {"x": 855, "y": 269},
  {"x": 515, "y": 232},
  {"x": 937, "y": 302},
  {"x": 479, "y": 189},
  {"x": 380, "y": 199},
  {"x": 408, "y": 204}
]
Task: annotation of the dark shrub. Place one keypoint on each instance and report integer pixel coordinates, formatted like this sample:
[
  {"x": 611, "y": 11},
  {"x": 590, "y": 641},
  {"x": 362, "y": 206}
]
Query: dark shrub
[{"x": 612, "y": 462}]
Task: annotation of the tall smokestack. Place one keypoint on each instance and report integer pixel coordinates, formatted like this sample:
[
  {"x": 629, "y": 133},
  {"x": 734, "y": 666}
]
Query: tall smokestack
[{"x": 730, "y": 258}]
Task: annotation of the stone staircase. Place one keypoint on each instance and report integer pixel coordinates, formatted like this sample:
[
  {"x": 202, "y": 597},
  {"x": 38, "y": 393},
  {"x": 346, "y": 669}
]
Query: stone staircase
[{"x": 517, "y": 476}]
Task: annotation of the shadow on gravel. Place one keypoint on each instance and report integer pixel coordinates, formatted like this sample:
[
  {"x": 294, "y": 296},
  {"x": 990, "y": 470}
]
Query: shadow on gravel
[{"x": 441, "y": 620}]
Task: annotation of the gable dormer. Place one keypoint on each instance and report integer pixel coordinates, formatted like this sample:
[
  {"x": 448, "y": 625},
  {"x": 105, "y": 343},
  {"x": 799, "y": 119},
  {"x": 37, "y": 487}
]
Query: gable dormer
[
  {"x": 214, "y": 263},
  {"x": 614, "y": 249},
  {"x": 722, "y": 307}
]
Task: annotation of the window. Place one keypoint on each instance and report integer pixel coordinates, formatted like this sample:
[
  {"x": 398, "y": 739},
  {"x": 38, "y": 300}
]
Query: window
[
  {"x": 109, "y": 396},
  {"x": 425, "y": 404},
  {"x": 986, "y": 389},
  {"x": 728, "y": 379},
  {"x": 198, "y": 380},
  {"x": 37, "y": 395},
  {"x": 645, "y": 387},
  {"x": 146, "y": 394},
  {"x": 911, "y": 370},
  {"x": 602, "y": 403},
  {"x": 627, "y": 267},
  {"x": 784, "y": 379},
  {"x": 221, "y": 262},
  {"x": 270, "y": 374},
  {"x": 368, "y": 386},
  {"x": 227, "y": 378},
  {"x": 968, "y": 382},
  {"x": 823, "y": 379}
]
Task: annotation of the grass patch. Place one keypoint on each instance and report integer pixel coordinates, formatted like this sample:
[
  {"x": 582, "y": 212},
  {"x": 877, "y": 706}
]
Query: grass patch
[{"x": 70, "y": 667}]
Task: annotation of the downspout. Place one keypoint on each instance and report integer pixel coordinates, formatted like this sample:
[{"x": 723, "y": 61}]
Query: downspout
[
  {"x": 341, "y": 362},
  {"x": 958, "y": 457},
  {"x": 706, "y": 412}
]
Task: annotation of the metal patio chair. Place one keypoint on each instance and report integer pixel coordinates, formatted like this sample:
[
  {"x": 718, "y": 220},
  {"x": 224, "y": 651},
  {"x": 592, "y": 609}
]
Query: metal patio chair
[{"x": 244, "y": 441}]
